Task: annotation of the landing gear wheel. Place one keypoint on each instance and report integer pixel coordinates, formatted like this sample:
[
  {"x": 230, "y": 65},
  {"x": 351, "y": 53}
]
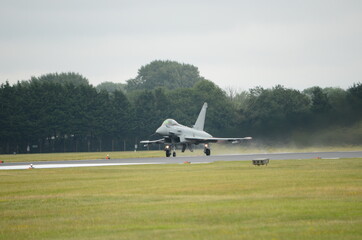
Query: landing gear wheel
[
  {"x": 168, "y": 153},
  {"x": 174, "y": 154},
  {"x": 207, "y": 152}
]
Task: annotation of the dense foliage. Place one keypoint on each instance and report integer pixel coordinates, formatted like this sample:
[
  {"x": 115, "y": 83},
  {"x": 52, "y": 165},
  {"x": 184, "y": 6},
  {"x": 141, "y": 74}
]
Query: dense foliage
[
  {"x": 168, "y": 74},
  {"x": 64, "y": 113}
]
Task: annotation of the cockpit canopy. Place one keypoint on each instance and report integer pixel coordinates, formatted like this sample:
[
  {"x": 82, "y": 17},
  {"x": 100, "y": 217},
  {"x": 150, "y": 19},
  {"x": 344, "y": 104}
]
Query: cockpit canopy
[{"x": 170, "y": 122}]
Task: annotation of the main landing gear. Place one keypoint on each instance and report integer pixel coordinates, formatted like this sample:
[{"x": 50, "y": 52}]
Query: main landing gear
[
  {"x": 172, "y": 149},
  {"x": 207, "y": 150},
  {"x": 168, "y": 151}
]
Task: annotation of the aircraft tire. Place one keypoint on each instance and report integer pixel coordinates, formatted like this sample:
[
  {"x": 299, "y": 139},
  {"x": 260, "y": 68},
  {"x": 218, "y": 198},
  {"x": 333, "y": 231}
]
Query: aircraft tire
[
  {"x": 207, "y": 152},
  {"x": 168, "y": 153},
  {"x": 174, "y": 154}
]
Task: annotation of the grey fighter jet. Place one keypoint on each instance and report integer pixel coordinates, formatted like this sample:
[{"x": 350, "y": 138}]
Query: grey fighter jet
[{"x": 176, "y": 134}]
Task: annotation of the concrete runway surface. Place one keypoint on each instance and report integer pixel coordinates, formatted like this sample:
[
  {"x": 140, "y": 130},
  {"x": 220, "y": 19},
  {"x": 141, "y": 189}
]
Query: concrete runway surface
[{"x": 179, "y": 159}]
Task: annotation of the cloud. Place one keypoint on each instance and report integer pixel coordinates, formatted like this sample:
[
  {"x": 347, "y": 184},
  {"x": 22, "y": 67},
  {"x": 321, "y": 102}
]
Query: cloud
[{"x": 234, "y": 43}]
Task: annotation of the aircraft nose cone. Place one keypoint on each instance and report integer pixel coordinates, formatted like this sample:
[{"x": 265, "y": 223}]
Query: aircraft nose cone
[{"x": 161, "y": 130}]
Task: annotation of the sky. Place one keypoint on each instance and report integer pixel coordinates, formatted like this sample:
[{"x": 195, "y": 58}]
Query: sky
[{"x": 236, "y": 44}]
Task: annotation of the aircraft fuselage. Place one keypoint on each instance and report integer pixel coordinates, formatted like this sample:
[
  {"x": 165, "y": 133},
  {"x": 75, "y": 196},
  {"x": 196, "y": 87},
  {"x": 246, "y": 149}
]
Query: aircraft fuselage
[{"x": 179, "y": 132}]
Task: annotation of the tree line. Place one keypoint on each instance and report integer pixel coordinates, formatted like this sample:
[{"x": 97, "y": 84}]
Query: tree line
[{"x": 64, "y": 113}]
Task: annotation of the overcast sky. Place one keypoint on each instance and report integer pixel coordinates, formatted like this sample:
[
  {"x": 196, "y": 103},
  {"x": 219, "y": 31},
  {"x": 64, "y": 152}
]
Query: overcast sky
[{"x": 239, "y": 44}]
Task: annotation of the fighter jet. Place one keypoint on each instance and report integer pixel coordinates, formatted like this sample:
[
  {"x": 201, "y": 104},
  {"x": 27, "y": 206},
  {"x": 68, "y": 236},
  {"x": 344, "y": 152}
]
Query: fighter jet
[{"x": 175, "y": 134}]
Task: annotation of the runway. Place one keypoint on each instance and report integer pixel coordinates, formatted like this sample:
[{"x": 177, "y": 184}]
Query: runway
[{"x": 179, "y": 160}]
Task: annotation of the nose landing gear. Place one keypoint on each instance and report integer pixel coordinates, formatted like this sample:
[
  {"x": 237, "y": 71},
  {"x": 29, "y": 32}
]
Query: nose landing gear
[{"x": 168, "y": 151}]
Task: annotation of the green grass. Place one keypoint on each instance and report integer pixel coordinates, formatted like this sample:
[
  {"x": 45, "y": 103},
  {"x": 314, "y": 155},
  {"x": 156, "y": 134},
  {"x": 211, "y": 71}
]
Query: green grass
[
  {"x": 216, "y": 149},
  {"x": 289, "y": 199},
  {"x": 76, "y": 156}
]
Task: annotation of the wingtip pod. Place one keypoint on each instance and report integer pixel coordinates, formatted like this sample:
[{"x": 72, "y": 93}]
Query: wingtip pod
[
  {"x": 150, "y": 142},
  {"x": 241, "y": 139}
]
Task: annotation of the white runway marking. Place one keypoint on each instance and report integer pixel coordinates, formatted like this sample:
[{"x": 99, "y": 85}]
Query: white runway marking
[{"x": 38, "y": 166}]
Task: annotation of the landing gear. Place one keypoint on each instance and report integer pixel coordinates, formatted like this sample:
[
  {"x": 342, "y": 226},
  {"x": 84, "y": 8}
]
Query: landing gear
[
  {"x": 183, "y": 148},
  {"x": 168, "y": 151},
  {"x": 189, "y": 146},
  {"x": 174, "y": 150},
  {"x": 207, "y": 150}
]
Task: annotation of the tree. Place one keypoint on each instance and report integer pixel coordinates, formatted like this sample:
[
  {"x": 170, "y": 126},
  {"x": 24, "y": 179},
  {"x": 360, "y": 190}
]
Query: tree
[
  {"x": 60, "y": 78},
  {"x": 355, "y": 100},
  {"x": 340, "y": 109},
  {"x": 145, "y": 118},
  {"x": 122, "y": 119},
  {"x": 168, "y": 74},
  {"x": 110, "y": 87},
  {"x": 186, "y": 104},
  {"x": 8, "y": 117},
  {"x": 276, "y": 111},
  {"x": 320, "y": 101},
  {"x": 63, "y": 112}
]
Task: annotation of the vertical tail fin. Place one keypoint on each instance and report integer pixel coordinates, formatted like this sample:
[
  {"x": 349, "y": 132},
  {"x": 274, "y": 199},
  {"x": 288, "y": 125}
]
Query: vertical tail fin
[{"x": 200, "y": 122}]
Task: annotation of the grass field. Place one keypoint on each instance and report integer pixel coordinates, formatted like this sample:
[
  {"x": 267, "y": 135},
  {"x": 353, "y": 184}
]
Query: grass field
[
  {"x": 76, "y": 156},
  {"x": 216, "y": 149},
  {"x": 289, "y": 199}
]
